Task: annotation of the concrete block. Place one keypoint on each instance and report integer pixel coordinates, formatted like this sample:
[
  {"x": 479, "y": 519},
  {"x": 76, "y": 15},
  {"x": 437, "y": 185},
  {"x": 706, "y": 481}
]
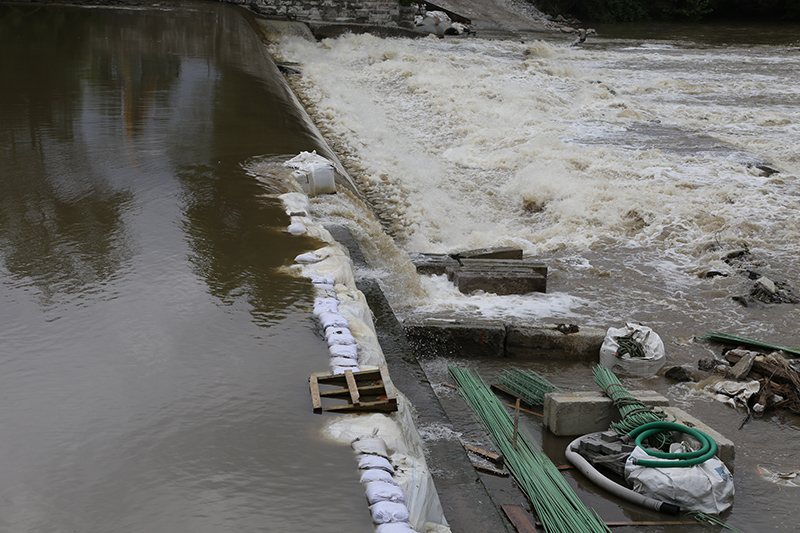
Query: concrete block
[
  {"x": 499, "y": 282},
  {"x": 456, "y": 338},
  {"x": 726, "y": 451},
  {"x": 568, "y": 414},
  {"x": 433, "y": 264},
  {"x": 499, "y": 252},
  {"x": 504, "y": 265},
  {"x": 545, "y": 342}
]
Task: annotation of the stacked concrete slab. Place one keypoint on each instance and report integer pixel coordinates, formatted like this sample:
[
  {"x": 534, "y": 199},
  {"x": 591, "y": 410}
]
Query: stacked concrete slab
[{"x": 500, "y": 271}]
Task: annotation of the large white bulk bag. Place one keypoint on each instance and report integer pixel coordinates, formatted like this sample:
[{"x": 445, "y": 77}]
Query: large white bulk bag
[{"x": 654, "y": 355}]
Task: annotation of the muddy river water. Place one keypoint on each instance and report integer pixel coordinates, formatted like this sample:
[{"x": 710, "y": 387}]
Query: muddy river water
[
  {"x": 154, "y": 358},
  {"x": 154, "y": 354}
]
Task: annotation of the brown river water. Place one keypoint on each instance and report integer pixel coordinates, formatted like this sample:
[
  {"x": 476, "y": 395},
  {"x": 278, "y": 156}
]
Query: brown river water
[
  {"x": 155, "y": 355},
  {"x": 154, "y": 358}
]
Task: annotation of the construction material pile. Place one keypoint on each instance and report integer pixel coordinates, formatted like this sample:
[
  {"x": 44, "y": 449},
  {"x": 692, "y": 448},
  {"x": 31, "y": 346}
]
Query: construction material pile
[{"x": 556, "y": 504}]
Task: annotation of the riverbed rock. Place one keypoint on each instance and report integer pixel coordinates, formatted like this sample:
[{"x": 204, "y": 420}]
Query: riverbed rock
[{"x": 680, "y": 374}]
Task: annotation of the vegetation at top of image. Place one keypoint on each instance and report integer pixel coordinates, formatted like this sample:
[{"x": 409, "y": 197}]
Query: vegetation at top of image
[{"x": 691, "y": 10}]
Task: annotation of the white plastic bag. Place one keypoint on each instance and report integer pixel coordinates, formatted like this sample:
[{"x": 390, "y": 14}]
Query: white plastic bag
[
  {"x": 654, "y": 355},
  {"x": 376, "y": 474},
  {"x": 378, "y": 491},
  {"x": 344, "y": 350},
  {"x": 370, "y": 445},
  {"x": 394, "y": 527},
  {"x": 707, "y": 487},
  {"x": 366, "y": 462},
  {"x": 383, "y": 512},
  {"x": 339, "y": 336}
]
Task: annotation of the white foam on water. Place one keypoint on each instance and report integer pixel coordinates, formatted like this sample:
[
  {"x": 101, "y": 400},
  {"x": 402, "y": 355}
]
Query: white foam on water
[{"x": 639, "y": 149}]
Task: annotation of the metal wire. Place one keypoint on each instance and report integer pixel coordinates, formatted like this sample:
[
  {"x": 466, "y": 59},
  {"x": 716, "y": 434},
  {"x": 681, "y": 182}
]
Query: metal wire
[{"x": 558, "y": 507}]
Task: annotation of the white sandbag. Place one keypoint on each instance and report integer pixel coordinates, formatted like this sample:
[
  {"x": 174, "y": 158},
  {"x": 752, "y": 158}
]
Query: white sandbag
[
  {"x": 378, "y": 491},
  {"x": 322, "y": 280},
  {"x": 394, "y": 527},
  {"x": 297, "y": 228},
  {"x": 333, "y": 319},
  {"x": 312, "y": 257},
  {"x": 339, "y": 336},
  {"x": 344, "y": 350},
  {"x": 383, "y": 512},
  {"x": 707, "y": 487},
  {"x": 340, "y": 370},
  {"x": 326, "y": 305},
  {"x": 370, "y": 444},
  {"x": 654, "y": 354},
  {"x": 344, "y": 362},
  {"x": 305, "y": 160},
  {"x": 376, "y": 474},
  {"x": 366, "y": 462}
]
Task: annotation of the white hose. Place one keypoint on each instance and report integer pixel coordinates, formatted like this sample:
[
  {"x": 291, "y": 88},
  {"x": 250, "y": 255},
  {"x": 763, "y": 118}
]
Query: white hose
[{"x": 615, "y": 488}]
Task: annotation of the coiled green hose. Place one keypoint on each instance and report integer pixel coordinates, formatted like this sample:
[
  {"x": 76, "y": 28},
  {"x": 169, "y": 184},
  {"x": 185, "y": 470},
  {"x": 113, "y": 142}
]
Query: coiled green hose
[{"x": 706, "y": 452}]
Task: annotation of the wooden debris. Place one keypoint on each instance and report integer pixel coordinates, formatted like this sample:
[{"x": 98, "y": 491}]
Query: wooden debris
[
  {"x": 519, "y": 518},
  {"x": 364, "y": 391},
  {"x": 490, "y": 470},
  {"x": 493, "y": 457}
]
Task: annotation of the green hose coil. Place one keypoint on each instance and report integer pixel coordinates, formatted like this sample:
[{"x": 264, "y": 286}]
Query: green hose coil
[{"x": 706, "y": 452}]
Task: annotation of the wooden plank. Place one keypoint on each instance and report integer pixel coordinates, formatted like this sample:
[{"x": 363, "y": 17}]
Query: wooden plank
[
  {"x": 363, "y": 376},
  {"x": 316, "y": 402},
  {"x": 519, "y": 518},
  {"x": 365, "y": 407},
  {"x": 363, "y": 390},
  {"x": 387, "y": 382},
  {"x": 493, "y": 457},
  {"x": 490, "y": 470},
  {"x": 353, "y": 387}
]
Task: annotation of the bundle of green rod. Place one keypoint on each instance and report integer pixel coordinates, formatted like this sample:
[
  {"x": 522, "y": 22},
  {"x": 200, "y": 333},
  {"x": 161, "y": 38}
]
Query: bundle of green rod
[
  {"x": 527, "y": 385},
  {"x": 556, "y": 504},
  {"x": 634, "y": 413},
  {"x": 727, "y": 338}
]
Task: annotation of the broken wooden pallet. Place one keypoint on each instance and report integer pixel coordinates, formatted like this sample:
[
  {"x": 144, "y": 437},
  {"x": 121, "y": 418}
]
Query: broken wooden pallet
[{"x": 364, "y": 391}]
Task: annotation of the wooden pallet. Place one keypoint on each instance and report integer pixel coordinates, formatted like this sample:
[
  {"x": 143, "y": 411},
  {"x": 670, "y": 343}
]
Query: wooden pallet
[{"x": 364, "y": 391}]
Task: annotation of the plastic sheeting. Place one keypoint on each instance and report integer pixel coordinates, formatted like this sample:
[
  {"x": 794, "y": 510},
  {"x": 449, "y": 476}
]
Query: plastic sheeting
[
  {"x": 389, "y": 448},
  {"x": 707, "y": 487}
]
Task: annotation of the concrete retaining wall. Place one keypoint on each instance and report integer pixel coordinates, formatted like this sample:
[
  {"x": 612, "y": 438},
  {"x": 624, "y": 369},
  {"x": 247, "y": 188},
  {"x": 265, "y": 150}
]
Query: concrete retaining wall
[
  {"x": 380, "y": 12},
  {"x": 488, "y": 338}
]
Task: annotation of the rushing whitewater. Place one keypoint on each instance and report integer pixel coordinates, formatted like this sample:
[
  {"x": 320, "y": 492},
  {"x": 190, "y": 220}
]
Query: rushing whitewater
[{"x": 631, "y": 168}]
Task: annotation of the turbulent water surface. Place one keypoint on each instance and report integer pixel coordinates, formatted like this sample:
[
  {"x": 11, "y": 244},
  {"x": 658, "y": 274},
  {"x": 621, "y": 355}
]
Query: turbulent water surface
[{"x": 632, "y": 165}]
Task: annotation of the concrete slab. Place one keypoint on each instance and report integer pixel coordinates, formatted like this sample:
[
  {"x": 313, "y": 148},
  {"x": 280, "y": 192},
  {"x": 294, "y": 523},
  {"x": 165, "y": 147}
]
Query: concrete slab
[
  {"x": 499, "y": 252},
  {"x": 498, "y": 282},
  {"x": 433, "y": 264},
  {"x": 456, "y": 338},
  {"x": 501, "y": 265},
  {"x": 546, "y": 342},
  {"x": 569, "y": 414}
]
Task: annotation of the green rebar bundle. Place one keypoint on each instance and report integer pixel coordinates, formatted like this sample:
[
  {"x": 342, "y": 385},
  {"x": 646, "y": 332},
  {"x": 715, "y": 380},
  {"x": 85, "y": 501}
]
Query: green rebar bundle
[
  {"x": 733, "y": 339},
  {"x": 556, "y": 504},
  {"x": 527, "y": 385},
  {"x": 634, "y": 413}
]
